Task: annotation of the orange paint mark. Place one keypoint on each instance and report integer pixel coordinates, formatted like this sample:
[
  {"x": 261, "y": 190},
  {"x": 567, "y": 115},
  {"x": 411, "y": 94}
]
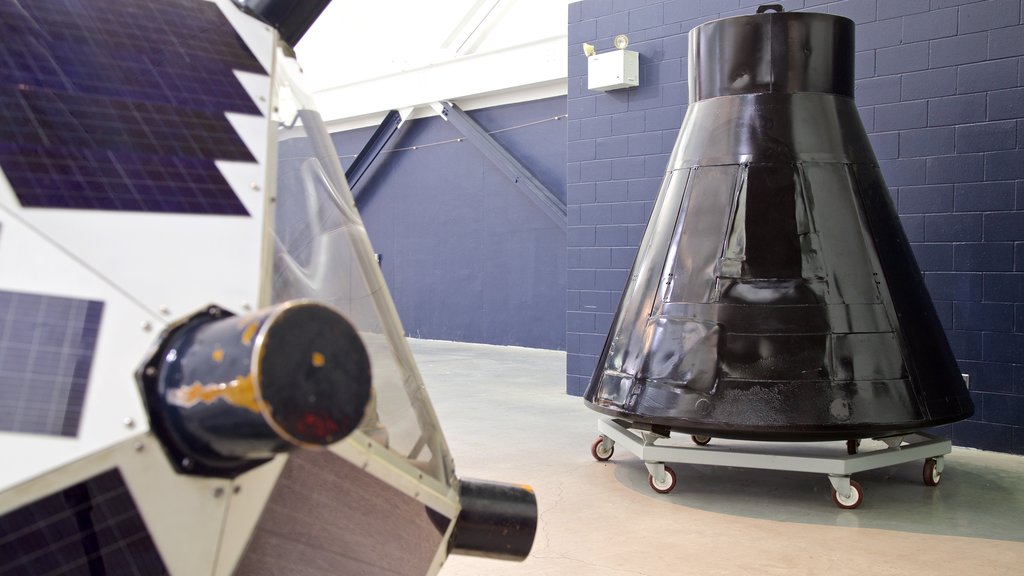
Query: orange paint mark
[
  {"x": 218, "y": 355},
  {"x": 238, "y": 392},
  {"x": 318, "y": 360},
  {"x": 250, "y": 333}
]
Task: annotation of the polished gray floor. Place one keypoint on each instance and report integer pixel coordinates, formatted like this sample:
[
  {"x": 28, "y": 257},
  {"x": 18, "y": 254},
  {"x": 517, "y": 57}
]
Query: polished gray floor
[{"x": 506, "y": 417}]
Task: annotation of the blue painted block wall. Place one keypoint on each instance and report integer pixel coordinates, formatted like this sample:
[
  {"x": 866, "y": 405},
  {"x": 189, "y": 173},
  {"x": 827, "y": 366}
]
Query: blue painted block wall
[
  {"x": 466, "y": 255},
  {"x": 940, "y": 87}
]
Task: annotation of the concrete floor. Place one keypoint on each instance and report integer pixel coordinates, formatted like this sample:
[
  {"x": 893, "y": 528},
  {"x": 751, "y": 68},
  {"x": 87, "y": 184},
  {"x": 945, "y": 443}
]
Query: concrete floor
[{"x": 506, "y": 417}]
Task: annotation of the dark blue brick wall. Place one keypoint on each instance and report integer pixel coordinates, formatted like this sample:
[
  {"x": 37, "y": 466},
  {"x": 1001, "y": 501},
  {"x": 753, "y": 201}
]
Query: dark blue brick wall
[
  {"x": 466, "y": 255},
  {"x": 940, "y": 87}
]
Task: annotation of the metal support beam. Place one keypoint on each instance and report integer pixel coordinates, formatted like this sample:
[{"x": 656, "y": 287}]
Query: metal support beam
[
  {"x": 371, "y": 150},
  {"x": 520, "y": 176},
  {"x": 464, "y": 38}
]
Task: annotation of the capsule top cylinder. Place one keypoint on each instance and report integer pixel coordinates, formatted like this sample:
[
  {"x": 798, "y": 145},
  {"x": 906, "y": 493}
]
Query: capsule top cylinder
[{"x": 772, "y": 52}]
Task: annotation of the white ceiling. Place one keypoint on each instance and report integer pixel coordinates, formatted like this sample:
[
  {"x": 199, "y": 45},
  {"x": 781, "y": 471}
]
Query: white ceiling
[{"x": 362, "y": 58}]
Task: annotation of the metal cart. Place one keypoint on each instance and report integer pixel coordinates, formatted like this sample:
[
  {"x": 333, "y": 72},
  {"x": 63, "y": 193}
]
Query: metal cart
[{"x": 846, "y": 492}]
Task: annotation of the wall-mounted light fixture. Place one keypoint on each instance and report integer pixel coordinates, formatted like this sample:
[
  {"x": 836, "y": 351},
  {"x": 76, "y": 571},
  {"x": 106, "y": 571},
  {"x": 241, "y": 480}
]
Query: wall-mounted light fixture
[{"x": 614, "y": 69}]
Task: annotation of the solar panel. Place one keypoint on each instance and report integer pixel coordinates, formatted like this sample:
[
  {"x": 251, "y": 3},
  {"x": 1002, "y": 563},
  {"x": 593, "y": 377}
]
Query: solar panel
[
  {"x": 120, "y": 104},
  {"x": 46, "y": 351},
  {"x": 90, "y": 528}
]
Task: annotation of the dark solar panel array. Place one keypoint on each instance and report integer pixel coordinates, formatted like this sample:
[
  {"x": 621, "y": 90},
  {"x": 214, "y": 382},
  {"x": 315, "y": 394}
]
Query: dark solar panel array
[
  {"x": 46, "y": 351},
  {"x": 119, "y": 104},
  {"x": 90, "y": 528}
]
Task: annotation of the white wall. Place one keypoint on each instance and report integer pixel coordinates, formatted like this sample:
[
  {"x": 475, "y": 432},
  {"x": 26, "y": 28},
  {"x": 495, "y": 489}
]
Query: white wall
[{"x": 363, "y": 58}]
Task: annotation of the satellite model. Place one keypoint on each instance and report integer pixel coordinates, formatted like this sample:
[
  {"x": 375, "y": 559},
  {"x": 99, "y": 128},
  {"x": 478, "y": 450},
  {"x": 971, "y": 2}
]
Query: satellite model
[{"x": 201, "y": 369}]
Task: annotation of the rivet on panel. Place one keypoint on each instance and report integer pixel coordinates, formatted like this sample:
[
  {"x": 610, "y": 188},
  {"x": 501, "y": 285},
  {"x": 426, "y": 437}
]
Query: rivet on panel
[
  {"x": 218, "y": 492},
  {"x": 128, "y": 422},
  {"x": 255, "y": 186},
  {"x": 164, "y": 309},
  {"x": 139, "y": 446},
  {"x": 146, "y": 326}
]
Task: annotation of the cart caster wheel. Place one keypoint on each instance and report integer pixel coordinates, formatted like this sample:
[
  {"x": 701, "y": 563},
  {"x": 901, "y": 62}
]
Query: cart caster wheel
[
  {"x": 700, "y": 439},
  {"x": 599, "y": 452},
  {"x": 852, "y": 445},
  {"x": 663, "y": 487},
  {"x": 932, "y": 475},
  {"x": 853, "y": 501}
]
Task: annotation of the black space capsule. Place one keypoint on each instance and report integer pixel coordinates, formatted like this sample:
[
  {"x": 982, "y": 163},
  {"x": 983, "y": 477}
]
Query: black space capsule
[{"x": 774, "y": 294}]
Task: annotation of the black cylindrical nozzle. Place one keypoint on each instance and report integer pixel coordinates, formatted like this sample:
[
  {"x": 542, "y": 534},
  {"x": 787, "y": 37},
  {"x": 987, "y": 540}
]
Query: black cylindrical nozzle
[
  {"x": 497, "y": 520},
  {"x": 292, "y": 18},
  {"x": 225, "y": 392}
]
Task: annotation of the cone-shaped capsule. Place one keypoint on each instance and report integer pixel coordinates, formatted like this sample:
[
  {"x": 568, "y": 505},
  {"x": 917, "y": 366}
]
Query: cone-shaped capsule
[{"x": 774, "y": 294}]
